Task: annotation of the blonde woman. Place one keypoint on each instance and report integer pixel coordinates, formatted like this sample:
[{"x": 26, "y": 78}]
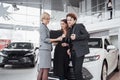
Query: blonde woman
[{"x": 45, "y": 48}]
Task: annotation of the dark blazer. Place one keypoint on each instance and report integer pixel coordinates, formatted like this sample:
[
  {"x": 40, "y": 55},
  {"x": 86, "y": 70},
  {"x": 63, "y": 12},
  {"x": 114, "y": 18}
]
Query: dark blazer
[{"x": 80, "y": 44}]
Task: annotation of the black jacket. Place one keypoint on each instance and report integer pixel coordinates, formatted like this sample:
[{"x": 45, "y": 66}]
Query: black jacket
[{"x": 80, "y": 44}]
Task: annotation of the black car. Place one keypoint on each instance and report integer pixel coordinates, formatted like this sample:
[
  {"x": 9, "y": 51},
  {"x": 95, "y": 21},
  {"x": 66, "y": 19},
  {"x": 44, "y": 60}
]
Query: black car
[{"x": 19, "y": 53}]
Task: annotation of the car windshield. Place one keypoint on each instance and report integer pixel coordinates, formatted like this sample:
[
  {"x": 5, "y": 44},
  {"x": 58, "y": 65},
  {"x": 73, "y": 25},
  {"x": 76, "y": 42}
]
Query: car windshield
[
  {"x": 20, "y": 46},
  {"x": 95, "y": 43}
]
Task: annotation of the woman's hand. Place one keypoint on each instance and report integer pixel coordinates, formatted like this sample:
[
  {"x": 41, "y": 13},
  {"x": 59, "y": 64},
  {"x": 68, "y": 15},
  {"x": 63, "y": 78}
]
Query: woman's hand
[
  {"x": 55, "y": 43},
  {"x": 68, "y": 52},
  {"x": 64, "y": 44},
  {"x": 59, "y": 38}
]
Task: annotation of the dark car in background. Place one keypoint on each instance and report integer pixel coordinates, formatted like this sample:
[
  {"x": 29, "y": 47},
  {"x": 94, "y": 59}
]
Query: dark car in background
[{"x": 19, "y": 53}]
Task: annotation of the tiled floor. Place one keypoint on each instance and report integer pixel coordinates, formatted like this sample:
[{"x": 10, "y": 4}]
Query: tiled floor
[{"x": 115, "y": 76}]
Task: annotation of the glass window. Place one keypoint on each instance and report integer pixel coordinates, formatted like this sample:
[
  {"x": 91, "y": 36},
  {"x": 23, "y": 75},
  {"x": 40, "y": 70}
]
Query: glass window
[
  {"x": 94, "y": 5},
  {"x": 97, "y": 5},
  {"x": 20, "y": 46},
  {"x": 95, "y": 43},
  {"x": 106, "y": 43}
]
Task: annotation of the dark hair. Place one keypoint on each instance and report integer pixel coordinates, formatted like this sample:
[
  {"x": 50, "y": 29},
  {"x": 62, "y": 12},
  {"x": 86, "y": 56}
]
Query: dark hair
[
  {"x": 72, "y": 15},
  {"x": 110, "y": 1},
  {"x": 64, "y": 20}
]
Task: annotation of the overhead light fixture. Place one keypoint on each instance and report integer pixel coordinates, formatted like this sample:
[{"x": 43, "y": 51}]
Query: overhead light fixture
[{"x": 15, "y": 7}]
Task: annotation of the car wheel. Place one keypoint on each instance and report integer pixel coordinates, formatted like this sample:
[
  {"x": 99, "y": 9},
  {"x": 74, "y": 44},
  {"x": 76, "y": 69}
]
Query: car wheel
[
  {"x": 32, "y": 65},
  {"x": 104, "y": 72},
  {"x": 2, "y": 65}
]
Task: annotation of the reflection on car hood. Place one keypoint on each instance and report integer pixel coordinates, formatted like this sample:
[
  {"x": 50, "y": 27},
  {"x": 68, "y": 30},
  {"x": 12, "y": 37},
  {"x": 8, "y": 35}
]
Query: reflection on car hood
[
  {"x": 94, "y": 51},
  {"x": 6, "y": 49}
]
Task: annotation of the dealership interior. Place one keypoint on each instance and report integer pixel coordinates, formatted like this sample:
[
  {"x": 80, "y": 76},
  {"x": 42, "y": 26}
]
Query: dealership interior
[{"x": 20, "y": 23}]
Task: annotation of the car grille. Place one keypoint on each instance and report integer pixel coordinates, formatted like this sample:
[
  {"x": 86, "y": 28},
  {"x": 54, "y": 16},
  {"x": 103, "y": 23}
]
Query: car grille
[{"x": 16, "y": 53}]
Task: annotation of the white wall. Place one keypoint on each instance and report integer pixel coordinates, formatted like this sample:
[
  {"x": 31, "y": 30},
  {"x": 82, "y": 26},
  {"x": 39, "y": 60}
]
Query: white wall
[
  {"x": 20, "y": 35},
  {"x": 5, "y": 34}
]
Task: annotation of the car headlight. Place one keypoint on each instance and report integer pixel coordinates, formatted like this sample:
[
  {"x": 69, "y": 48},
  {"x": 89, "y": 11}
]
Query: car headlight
[
  {"x": 91, "y": 58},
  {"x": 3, "y": 55},
  {"x": 28, "y": 54}
]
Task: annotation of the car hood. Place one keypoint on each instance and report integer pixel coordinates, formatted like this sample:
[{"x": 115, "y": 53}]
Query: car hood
[
  {"x": 17, "y": 52},
  {"x": 94, "y": 51}
]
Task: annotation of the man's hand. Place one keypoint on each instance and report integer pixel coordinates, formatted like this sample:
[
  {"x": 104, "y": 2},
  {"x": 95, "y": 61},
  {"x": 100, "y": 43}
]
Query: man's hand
[
  {"x": 64, "y": 44},
  {"x": 73, "y": 36}
]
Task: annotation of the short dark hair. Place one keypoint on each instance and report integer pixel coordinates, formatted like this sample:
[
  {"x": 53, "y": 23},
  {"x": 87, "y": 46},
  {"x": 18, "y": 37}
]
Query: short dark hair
[
  {"x": 64, "y": 20},
  {"x": 72, "y": 15}
]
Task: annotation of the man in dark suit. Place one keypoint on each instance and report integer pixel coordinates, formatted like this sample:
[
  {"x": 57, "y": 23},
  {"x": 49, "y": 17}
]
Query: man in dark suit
[{"x": 79, "y": 44}]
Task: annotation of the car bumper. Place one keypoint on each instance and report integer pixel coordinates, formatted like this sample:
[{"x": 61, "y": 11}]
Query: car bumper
[
  {"x": 86, "y": 74},
  {"x": 91, "y": 71},
  {"x": 94, "y": 68},
  {"x": 18, "y": 60}
]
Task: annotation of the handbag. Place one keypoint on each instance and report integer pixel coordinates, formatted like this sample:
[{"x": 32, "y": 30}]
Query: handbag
[{"x": 109, "y": 8}]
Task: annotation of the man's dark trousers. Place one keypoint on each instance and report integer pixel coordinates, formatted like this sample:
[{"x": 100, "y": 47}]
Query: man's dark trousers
[{"x": 77, "y": 63}]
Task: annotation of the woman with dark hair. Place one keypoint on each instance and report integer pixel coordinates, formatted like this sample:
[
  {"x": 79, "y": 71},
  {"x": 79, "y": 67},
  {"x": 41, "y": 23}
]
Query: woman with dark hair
[
  {"x": 110, "y": 8},
  {"x": 61, "y": 58}
]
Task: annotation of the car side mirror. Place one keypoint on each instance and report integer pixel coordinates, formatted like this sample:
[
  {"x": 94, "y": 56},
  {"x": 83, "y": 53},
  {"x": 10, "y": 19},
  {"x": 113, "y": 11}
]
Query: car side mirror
[
  {"x": 37, "y": 47},
  {"x": 110, "y": 47}
]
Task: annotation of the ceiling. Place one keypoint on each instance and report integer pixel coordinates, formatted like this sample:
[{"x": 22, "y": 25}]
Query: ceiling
[{"x": 46, "y": 4}]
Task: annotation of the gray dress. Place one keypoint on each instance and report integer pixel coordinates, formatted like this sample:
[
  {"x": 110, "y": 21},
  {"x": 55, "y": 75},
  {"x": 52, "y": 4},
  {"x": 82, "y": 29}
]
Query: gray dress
[
  {"x": 44, "y": 59},
  {"x": 45, "y": 48}
]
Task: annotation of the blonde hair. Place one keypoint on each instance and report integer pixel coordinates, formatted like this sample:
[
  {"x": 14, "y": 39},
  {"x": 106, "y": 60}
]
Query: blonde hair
[{"x": 44, "y": 15}]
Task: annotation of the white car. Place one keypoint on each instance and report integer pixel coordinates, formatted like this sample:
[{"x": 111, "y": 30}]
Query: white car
[{"x": 102, "y": 60}]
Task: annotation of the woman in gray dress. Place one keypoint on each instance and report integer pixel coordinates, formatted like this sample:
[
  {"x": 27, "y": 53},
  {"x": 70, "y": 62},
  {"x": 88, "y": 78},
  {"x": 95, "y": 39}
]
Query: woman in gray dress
[{"x": 45, "y": 48}]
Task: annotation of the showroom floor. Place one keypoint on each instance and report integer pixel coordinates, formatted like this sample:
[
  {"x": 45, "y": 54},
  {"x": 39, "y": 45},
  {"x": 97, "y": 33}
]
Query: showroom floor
[
  {"x": 115, "y": 76},
  {"x": 30, "y": 74},
  {"x": 26, "y": 73}
]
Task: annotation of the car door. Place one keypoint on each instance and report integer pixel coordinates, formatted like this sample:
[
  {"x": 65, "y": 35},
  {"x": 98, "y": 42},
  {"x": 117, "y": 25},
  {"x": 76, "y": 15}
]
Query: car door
[{"x": 111, "y": 56}]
